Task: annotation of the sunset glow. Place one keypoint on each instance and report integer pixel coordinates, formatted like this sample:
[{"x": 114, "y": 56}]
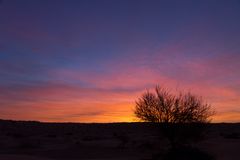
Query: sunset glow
[{"x": 89, "y": 61}]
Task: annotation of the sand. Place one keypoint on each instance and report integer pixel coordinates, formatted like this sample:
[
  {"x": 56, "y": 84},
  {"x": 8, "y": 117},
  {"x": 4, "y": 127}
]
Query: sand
[{"x": 116, "y": 141}]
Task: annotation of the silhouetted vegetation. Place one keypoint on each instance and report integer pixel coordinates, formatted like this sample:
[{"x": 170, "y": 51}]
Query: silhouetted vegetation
[
  {"x": 112, "y": 141},
  {"x": 182, "y": 117}
]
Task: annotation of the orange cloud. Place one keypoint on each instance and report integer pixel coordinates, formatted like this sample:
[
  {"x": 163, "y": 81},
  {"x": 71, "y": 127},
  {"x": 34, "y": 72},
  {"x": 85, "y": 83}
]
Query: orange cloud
[{"x": 109, "y": 96}]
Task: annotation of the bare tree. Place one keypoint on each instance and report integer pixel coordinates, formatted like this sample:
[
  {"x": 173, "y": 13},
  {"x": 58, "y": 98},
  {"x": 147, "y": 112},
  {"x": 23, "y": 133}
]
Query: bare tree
[{"x": 174, "y": 111}]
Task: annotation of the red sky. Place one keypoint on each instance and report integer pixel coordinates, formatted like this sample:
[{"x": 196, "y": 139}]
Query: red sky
[{"x": 76, "y": 61}]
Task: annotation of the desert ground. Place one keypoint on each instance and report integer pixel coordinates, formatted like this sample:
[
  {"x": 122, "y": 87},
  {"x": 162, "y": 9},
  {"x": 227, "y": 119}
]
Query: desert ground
[{"x": 21, "y": 140}]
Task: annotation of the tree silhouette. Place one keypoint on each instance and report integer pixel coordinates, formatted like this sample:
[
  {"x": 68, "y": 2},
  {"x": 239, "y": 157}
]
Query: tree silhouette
[{"x": 182, "y": 116}]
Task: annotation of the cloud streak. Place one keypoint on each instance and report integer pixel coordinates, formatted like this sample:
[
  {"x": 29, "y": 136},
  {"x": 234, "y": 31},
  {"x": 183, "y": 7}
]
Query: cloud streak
[{"x": 88, "y": 62}]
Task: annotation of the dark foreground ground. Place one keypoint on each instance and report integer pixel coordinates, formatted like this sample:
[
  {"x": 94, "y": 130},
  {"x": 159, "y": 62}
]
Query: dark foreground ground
[{"x": 116, "y": 141}]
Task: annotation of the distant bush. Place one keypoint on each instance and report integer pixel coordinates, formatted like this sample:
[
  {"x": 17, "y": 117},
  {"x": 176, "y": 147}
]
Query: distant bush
[{"x": 182, "y": 117}]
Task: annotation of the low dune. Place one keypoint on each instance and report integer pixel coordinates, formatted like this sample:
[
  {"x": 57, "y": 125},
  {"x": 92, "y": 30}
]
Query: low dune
[{"x": 119, "y": 141}]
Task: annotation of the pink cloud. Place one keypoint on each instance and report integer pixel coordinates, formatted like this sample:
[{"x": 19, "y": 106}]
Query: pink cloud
[{"x": 204, "y": 77}]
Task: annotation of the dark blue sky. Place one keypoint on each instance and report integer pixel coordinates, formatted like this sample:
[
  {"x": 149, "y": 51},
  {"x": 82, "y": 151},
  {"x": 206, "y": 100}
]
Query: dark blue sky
[{"x": 98, "y": 56}]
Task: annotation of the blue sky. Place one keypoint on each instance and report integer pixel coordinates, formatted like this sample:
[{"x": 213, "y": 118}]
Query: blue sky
[{"x": 99, "y": 56}]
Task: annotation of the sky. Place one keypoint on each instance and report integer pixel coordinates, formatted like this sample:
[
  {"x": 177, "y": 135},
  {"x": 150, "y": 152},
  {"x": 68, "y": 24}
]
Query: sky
[{"x": 90, "y": 60}]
